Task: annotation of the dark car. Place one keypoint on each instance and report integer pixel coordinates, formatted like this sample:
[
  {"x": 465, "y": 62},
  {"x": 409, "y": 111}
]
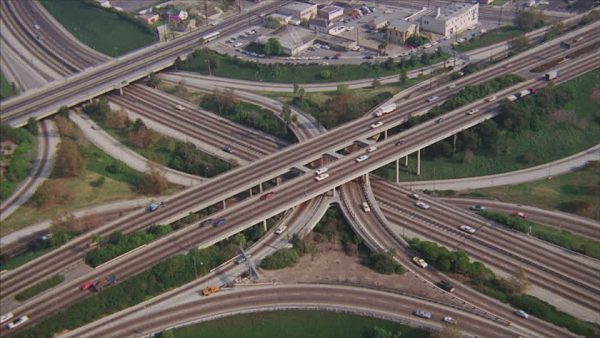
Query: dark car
[
  {"x": 368, "y": 57},
  {"x": 219, "y": 221},
  {"x": 267, "y": 195},
  {"x": 446, "y": 286},
  {"x": 227, "y": 149},
  {"x": 206, "y": 222}
]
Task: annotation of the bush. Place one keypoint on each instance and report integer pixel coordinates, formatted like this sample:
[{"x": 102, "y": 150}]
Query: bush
[
  {"x": 281, "y": 259},
  {"x": 118, "y": 244},
  {"x": 39, "y": 287},
  {"x": 383, "y": 263}
]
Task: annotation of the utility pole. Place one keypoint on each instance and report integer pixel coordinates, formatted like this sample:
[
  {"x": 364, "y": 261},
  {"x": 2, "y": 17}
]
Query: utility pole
[{"x": 500, "y": 18}]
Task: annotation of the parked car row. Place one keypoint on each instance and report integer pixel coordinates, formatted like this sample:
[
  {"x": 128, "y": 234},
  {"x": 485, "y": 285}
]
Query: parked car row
[{"x": 14, "y": 323}]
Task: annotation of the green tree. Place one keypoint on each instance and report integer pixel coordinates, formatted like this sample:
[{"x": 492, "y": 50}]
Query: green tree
[
  {"x": 519, "y": 44},
  {"x": 32, "y": 126},
  {"x": 530, "y": 19},
  {"x": 376, "y": 83},
  {"x": 272, "y": 22},
  {"x": 275, "y": 47},
  {"x": 403, "y": 76},
  {"x": 69, "y": 161},
  {"x": 288, "y": 116},
  {"x": 325, "y": 74},
  {"x": 301, "y": 94},
  {"x": 520, "y": 282}
]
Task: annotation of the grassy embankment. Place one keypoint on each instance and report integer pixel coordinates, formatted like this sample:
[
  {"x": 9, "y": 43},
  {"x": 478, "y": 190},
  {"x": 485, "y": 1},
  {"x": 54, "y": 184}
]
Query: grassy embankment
[{"x": 105, "y": 31}]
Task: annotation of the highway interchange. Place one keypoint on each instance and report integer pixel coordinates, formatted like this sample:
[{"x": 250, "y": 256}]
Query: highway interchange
[{"x": 269, "y": 158}]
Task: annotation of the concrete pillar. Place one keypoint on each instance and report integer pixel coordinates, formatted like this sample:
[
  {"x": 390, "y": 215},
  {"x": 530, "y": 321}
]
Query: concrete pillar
[
  {"x": 278, "y": 181},
  {"x": 419, "y": 162},
  {"x": 224, "y": 205},
  {"x": 385, "y": 134},
  {"x": 260, "y": 187},
  {"x": 250, "y": 192},
  {"x": 454, "y": 143},
  {"x": 265, "y": 225},
  {"x": 406, "y": 161},
  {"x": 121, "y": 91},
  {"x": 398, "y": 170}
]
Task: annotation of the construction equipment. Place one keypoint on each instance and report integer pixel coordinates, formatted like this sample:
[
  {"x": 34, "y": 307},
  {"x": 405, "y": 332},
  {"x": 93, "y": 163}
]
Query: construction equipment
[{"x": 209, "y": 290}]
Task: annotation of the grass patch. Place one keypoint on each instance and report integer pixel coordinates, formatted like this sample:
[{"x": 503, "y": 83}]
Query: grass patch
[
  {"x": 22, "y": 258},
  {"x": 231, "y": 67},
  {"x": 563, "y": 238},
  {"x": 40, "y": 287},
  {"x": 272, "y": 324},
  {"x": 6, "y": 89},
  {"x": 105, "y": 31},
  {"x": 489, "y": 38},
  {"x": 19, "y": 165},
  {"x": 575, "y": 192},
  {"x": 551, "y": 138}
]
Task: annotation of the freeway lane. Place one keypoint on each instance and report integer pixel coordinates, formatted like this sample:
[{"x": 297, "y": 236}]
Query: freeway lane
[
  {"x": 114, "y": 74},
  {"x": 357, "y": 300},
  {"x": 241, "y": 179}
]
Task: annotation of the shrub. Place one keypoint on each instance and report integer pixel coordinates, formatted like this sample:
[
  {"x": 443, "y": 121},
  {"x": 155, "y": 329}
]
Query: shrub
[
  {"x": 281, "y": 259},
  {"x": 383, "y": 263},
  {"x": 39, "y": 287}
]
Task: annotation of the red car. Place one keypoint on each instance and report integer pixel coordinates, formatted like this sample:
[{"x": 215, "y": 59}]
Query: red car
[
  {"x": 532, "y": 90},
  {"x": 267, "y": 196},
  {"x": 519, "y": 214},
  {"x": 88, "y": 285}
]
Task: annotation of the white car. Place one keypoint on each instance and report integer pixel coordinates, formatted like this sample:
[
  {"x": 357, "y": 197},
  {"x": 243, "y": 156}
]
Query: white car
[
  {"x": 361, "y": 158},
  {"x": 321, "y": 171},
  {"x": 376, "y": 125},
  {"x": 17, "y": 322},
  {"x": 422, "y": 205},
  {"x": 420, "y": 262},
  {"x": 472, "y": 111},
  {"x": 449, "y": 320},
  {"x": 280, "y": 230},
  {"x": 415, "y": 196},
  {"x": 180, "y": 107},
  {"x": 321, "y": 177},
  {"x": 371, "y": 149},
  {"x": 6, "y": 317},
  {"x": 432, "y": 98},
  {"x": 522, "y": 313},
  {"x": 365, "y": 207},
  {"x": 491, "y": 98},
  {"x": 452, "y": 85},
  {"x": 468, "y": 229},
  {"x": 471, "y": 28}
]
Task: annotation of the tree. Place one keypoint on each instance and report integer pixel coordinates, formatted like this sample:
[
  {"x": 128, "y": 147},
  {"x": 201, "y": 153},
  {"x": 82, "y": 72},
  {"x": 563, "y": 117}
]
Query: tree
[
  {"x": 288, "y": 116},
  {"x": 117, "y": 120},
  {"x": 403, "y": 76},
  {"x": 296, "y": 88},
  {"x": 520, "y": 282},
  {"x": 530, "y": 19},
  {"x": 153, "y": 181},
  {"x": 63, "y": 126},
  {"x": 382, "y": 47},
  {"x": 469, "y": 156},
  {"x": 274, "y": 46},
  {"x": 32, "y": 126},
  {"x": 376, "y": 83},
  {"x": 518, "y": 44},
  {"x": 240, "y": 239},
  {"x": 301, "y": 93},
  {"x": 69, "y": 161},
  {"x": 153, "y": 81},
  {"x": 51, "y": 192},
  {"x": 272, "y": 22}
]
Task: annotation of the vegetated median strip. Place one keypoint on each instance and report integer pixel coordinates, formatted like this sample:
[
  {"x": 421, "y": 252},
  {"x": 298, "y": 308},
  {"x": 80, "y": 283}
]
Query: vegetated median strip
[
  {"x": 231, "y": 67},
  {"x": 39, "y": 287},
  {"x": 509, "y": 291},
  {"x": 561, "y": 238}
]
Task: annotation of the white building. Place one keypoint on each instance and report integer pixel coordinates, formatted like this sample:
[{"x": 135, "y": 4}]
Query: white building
[
  {"x": 300, "y": 10},
  {"x": 451, "y": 19}
]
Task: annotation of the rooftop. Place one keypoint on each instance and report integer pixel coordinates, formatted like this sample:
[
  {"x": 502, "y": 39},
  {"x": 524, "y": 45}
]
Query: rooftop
[
  {"x": 400, "y": 24},
  {"x": 331, "y": 9},
  {"x": 452, "y": 10},
  {"x": 298, "y": 6}
]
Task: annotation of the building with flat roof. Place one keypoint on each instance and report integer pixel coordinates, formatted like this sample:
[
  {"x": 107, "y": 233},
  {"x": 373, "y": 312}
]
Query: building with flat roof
[
  {"x": 319, "y": 25},
  {"x": 301, "y": 10},
  {"x": 293, "y": 39},
  {"x": 399, "y": 30},
  {"x": 337, "y": 42},
  {"x": 378, "y": 22},
  {"x": 451, "y": 19},
  {"x": 331, "y": 12}
]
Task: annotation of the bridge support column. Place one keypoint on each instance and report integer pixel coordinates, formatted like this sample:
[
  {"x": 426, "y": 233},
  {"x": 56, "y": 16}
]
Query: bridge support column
[
  {"x": 278, "y": 181},
  {"x": 454, "y": 143},
  {"x": 250, "y": 192},
  {"x": 385, "y": 134},
  {"x": 397, "y": 171},
  {"x": 224, "y": 205},
  {"x": 265, "y": 225},
  {"x": 419, "y": 162},
  {"x": 121, "y": 91},
  {"x": 406, "y": 161},
  {"x": 260, "y": 187}
]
